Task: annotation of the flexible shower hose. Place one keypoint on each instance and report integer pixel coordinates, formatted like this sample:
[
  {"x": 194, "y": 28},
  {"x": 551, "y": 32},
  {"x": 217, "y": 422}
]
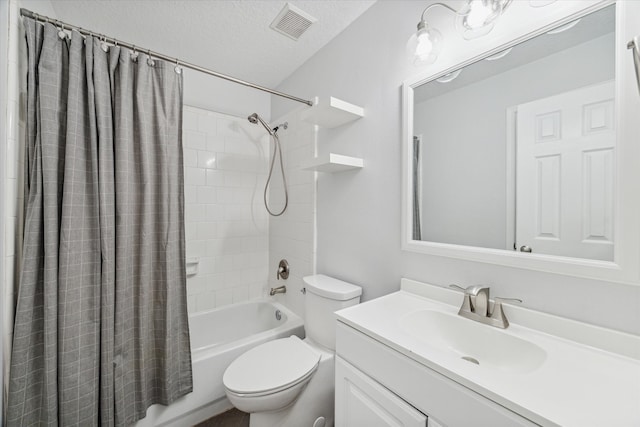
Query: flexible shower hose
[{"x": 276, "y": 146}]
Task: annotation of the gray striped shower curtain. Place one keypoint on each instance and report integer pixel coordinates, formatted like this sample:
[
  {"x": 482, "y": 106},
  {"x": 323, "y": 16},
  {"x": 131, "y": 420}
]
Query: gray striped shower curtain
[{"x": 101, "y": 327}]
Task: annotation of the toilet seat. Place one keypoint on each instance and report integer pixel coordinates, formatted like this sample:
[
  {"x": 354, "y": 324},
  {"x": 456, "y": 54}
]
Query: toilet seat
[{"x": 271, "y": 367}]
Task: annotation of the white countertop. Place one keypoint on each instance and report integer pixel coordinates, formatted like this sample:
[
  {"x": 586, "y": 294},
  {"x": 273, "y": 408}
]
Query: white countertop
[{"x": 590, "y": 376}]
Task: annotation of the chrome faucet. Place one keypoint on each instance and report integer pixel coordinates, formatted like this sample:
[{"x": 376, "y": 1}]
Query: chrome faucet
[
  {"x": 475, "y": 306},
  {"x": 278, "y": 290}
]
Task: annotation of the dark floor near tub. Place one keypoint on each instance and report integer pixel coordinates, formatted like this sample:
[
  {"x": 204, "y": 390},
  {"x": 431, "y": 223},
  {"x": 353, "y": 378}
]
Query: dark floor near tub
[{"x": 231, "y": 418}]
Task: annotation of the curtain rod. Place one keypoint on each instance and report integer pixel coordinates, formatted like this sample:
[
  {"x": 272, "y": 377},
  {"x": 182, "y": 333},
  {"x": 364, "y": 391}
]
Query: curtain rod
[{"x": 64, "y": 25}]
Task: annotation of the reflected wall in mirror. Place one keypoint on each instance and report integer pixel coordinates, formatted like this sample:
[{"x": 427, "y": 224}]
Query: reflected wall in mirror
[{"x": 517, "y": 151}]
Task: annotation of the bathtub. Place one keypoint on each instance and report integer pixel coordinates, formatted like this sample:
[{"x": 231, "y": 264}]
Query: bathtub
[{"x": 218, "y": 337}]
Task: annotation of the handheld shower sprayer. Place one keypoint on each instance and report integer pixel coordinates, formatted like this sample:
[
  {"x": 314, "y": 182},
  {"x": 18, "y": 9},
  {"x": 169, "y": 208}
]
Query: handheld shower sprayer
[{"x": 255, "y": 118}]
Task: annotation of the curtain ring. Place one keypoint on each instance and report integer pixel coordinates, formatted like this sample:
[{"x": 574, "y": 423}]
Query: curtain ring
[
  {"x": 150, "y": 61},
  {"x": 61, "y": 32},
  {"x": 177, "y": 68}
]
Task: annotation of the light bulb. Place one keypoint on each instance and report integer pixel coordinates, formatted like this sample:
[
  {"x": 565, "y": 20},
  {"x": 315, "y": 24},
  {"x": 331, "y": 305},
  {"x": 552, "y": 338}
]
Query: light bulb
[
  {"x": 424, "y": 45},
  {"x": 476, "y": 18},
  {"x": 478, "y": 14}
]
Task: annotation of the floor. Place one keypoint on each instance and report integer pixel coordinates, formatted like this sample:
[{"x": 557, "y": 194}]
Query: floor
[{"x": 231, "y": 418}]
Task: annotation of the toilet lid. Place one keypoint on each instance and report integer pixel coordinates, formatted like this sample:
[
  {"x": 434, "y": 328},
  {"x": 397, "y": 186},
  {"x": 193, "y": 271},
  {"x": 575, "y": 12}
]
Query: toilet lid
[{"x": 270, "y": 366}]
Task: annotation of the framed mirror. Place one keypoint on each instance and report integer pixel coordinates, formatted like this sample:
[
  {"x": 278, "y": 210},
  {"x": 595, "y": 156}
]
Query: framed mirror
[{"x": 518, "y": 156}]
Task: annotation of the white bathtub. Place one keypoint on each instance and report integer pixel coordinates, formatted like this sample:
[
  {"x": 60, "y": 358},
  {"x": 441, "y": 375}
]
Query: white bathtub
[{"x": 217, "y": 338}]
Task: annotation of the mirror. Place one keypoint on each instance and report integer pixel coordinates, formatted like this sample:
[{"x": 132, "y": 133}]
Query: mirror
[
  {"x": 529, "y": 146},
  {"x": 517, "y": 151}
]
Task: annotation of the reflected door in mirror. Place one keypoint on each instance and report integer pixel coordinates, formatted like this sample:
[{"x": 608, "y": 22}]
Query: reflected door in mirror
[{"x": 565, "y": 153}]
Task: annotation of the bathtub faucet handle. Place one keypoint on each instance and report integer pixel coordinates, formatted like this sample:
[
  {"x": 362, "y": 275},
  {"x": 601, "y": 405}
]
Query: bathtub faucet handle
[{"x": 283, "y": 270}]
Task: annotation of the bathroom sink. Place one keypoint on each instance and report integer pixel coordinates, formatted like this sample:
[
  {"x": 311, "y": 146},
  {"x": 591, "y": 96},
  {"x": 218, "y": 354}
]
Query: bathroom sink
[{"x": 473, "y": 342}]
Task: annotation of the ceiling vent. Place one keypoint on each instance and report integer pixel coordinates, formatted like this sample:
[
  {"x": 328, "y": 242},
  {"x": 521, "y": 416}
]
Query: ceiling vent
[{"x": 292, "y": 22}]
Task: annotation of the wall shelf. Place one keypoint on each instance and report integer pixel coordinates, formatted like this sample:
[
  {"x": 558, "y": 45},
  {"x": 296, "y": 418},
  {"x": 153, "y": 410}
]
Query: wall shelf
[
  {"x": 333, "y": 163},
  {"x": 330, "y": 112}
]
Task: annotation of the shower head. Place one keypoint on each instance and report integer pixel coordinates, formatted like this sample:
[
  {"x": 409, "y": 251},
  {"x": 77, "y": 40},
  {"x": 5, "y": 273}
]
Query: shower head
[{"x": 255, "y": 118}]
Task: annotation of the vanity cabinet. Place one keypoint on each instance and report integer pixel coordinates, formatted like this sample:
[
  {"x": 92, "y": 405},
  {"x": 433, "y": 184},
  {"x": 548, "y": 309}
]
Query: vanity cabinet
[{"x": 379, "y": 386}]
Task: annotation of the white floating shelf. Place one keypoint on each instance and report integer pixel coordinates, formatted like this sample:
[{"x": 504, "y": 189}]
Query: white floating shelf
[
  {"x": 333, "y": 163},
  {"x": 332, "y": 112}
]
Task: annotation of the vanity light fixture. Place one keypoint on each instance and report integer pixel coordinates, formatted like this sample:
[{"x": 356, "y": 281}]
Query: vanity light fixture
[{"x": 475, "y": 19}]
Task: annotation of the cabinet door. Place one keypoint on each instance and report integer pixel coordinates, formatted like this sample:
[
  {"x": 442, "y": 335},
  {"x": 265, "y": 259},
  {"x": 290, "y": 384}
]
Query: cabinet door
[{"x": 360, "y": 401}]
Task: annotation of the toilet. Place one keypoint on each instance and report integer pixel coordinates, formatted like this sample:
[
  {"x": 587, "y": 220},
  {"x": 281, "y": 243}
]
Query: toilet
[{"x": 289, "y": 382}]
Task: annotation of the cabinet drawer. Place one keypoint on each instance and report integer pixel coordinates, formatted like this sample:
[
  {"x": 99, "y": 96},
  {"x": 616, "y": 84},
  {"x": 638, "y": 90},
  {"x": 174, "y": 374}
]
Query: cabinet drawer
[
  {"x": 360, "y": 401},
  {"x": 452, "y": 404}
]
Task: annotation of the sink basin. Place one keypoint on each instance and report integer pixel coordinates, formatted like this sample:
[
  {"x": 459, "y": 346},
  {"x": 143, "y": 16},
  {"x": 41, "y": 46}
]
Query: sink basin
[{"x": 474, "y": 342}]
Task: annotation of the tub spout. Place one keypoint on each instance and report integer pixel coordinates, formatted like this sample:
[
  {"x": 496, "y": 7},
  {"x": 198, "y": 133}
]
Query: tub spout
[{"x": 278, "y": 290}]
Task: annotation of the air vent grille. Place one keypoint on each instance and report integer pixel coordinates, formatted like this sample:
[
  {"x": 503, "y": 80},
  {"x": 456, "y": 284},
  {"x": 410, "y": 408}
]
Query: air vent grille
[{"x": 292, "y": 22}]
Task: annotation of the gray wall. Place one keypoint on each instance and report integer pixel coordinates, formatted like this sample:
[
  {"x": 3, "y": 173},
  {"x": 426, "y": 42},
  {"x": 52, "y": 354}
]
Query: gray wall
[{"x": 359, "y": 213}]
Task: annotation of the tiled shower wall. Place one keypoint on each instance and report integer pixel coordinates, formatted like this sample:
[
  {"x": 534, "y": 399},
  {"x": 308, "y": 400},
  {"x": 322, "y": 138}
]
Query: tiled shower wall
[
  {"x": 292, "y": 235},
  {"x": 13, "y": 182},
  {"x": 227, "y": 227}
]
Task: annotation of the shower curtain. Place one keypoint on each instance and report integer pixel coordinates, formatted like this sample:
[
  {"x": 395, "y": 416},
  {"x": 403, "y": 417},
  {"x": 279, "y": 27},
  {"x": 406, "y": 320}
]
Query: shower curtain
[
  {"x": 101, "y": 327},
  {"x": 417, "y": 221}
]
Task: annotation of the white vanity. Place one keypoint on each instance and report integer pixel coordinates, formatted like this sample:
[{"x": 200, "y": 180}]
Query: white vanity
[{"x": 408, "y": 359}]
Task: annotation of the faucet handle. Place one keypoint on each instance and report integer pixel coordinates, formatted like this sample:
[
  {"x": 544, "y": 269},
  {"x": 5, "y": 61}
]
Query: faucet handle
[
  {"x": 501, "y": 300},
  {"x": 472, "y": 290},
  {"x": 466, "y": 302},
  {"x": 460, "y": 288},
  {"x": 498, "y": 313}
]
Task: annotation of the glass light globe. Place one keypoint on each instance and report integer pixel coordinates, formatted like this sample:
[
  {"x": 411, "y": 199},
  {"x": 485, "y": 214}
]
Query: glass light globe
[
  {"x": 424, "y": 45},
  {"x": 477, "y": 17}
]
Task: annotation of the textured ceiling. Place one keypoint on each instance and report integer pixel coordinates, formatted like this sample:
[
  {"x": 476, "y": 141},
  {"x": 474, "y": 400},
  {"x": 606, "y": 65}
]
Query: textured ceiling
[{"x": 231, "y": 37}]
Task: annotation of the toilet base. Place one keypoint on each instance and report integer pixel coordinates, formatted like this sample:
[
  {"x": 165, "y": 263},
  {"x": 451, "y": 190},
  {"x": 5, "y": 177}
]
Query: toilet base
[{"x": 315, "y": 401}]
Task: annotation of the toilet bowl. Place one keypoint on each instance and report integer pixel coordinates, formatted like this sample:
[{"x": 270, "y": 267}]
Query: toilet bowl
[
  {"x": 270, "y": 376},
  {"x": 289, "y": 382}
]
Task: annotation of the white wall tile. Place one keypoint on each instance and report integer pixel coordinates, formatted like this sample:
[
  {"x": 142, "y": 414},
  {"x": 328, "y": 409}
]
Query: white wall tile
[
  {"x": 240, "y": 293},
  {"x": 215, "y": 143},
  {"x": 207, "y": 123},
  {"x": 206, "y": 301},
  {"x": 189, "y": 119},
  {"x": 206, "y": 195},
  {"x": 10, "y": 232},
  {"x": 224, "y": 297},
  {"x": 206, "y": 230},
  {"x": 11, "y": 159},
  {"x": 224, "y": 228},
  {"x": 215, "y": 178},
  {"x": 194, "y": 176},
  {"x": 206, "y": 159},
  {"x": 190, "y": 157},
  {"x": 193, "y": 139},
  {"x": 190, "y": 192}
]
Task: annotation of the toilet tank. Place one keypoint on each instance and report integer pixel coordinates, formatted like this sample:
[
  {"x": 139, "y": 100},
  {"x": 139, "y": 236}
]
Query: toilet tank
[{"x": 326, "y": 295}]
